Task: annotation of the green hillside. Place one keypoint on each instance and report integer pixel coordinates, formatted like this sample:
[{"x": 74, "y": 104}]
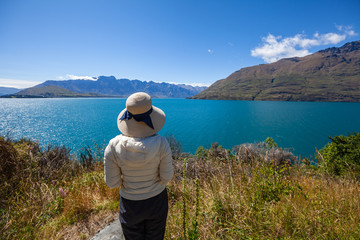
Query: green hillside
[{"x": 328, "y": 75}]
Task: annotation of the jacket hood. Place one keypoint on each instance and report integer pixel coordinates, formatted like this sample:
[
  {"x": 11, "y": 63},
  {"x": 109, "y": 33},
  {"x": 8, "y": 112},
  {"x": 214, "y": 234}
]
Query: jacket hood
[{"x": 138, "y": 151}]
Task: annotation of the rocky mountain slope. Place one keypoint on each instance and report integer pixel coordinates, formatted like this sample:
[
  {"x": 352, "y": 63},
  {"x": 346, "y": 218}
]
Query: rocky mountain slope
[{"x": 332, "y": 74}]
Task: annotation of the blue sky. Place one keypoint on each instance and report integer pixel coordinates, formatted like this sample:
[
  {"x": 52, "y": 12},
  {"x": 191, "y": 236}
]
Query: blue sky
[{"x": 192, "y": 42}]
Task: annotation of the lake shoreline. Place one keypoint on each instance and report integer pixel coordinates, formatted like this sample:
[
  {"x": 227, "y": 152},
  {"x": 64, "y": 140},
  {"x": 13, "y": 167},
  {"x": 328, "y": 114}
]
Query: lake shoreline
[{"x": 302, "y": 127}]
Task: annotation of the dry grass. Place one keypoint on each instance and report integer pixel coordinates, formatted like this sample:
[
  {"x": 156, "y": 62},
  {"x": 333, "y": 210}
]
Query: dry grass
[
  {"x": 47, "y": 194},
  {"x": 255, "y": 192},
  {"x": 256, "y": 199}
]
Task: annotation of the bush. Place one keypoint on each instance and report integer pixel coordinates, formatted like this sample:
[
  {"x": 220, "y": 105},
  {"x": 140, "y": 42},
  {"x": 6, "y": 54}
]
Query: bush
[
  {"x": 341, "y": 156},
  {"x": 265, "y": 152},
  {"x": 7, "y": 159},
  {"x": 175, "y": 145}
]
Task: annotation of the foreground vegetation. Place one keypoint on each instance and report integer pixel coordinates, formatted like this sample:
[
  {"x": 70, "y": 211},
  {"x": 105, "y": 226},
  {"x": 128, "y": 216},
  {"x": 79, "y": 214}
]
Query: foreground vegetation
[
  {"x": 49, "y": 194},
  {"x": 255, "y": 191}
]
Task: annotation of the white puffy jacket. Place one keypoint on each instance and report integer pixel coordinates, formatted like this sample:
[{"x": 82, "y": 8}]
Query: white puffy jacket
[{"x": 141, "y": 166}]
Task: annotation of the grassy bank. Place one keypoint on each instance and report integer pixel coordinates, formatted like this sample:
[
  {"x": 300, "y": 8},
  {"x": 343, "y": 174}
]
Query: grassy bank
[
  {"x": 255, "y": 191},
  {"x": 250, "y": 195},
  {"x": 49, "y": 194}
]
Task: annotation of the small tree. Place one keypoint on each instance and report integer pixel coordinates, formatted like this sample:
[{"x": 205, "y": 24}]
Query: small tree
[{"x": 341, "y": 156}]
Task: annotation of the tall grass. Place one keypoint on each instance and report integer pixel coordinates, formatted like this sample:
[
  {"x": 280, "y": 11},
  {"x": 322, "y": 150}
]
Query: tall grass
[
  {"x": 255, "y": 191},
  {"x": 45, "y": 191}
]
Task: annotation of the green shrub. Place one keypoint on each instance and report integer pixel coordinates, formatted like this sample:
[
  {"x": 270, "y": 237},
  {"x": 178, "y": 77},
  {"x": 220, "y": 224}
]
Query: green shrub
[
  {"x": 270, "y": 143},
  {"x": 341, "y": 156},
  {"x": 272, "y": 182},
  {"x": 200, "y": 153}
]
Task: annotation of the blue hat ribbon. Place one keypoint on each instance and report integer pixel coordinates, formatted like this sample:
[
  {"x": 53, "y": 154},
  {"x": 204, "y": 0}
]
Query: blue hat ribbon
[{"x": 143, "y": 117}]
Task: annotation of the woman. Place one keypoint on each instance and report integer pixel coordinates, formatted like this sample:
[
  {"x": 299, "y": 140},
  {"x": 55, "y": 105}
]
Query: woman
[{"x": 140, "y": 162}]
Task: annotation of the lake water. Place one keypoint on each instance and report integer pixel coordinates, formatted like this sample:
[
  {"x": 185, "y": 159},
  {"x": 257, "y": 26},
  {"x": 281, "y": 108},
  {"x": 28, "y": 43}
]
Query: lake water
[{"x": 301, "y": 126}]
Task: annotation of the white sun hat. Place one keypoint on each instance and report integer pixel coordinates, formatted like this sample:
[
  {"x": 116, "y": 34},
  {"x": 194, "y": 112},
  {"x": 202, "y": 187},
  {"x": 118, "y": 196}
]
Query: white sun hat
[{"x": 140, "y": 118}]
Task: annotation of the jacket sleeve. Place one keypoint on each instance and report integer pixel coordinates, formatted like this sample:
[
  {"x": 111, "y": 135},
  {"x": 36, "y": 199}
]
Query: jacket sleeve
[
  {"x": 166, "y": 169},
  {"x": 111, "y": 168}
]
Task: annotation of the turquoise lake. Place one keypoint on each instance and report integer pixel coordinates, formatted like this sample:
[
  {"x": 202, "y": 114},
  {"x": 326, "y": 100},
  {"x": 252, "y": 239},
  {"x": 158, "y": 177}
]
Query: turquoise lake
[{"x": 300, "y": 126}]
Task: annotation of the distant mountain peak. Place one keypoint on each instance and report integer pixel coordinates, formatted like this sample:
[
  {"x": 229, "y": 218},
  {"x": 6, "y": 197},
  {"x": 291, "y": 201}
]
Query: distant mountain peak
[
  {"x": 8, "y": 90},
  {"x": 106, "y": 78}
]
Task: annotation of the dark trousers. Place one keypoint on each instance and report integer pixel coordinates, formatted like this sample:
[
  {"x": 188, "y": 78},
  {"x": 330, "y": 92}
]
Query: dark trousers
[{"x": 144, "y": 219}]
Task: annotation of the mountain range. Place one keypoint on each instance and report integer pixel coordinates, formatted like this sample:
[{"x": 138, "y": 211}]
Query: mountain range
[
  {"x": 49, "y": 92},
  {"x": 110, "y": 86},
  {"x": 332, "y": 74},
  {"x": 106, "y": 87}
]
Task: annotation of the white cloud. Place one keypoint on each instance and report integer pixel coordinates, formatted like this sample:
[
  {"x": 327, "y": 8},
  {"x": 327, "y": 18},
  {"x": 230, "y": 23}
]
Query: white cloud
[
  {"x": 277, "y": 47},
  {"x": 347, "y": 29},
  {"x": 198, "y": 84},
  {"x": 191, "y": 84},
  {"x": 16, "y": 83},
  {"x": 330, "y": 38},
  {"x": 210, "y": 51},
  {"x": 351, "y": 33},
  {"x": 74, "y": 77}
]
